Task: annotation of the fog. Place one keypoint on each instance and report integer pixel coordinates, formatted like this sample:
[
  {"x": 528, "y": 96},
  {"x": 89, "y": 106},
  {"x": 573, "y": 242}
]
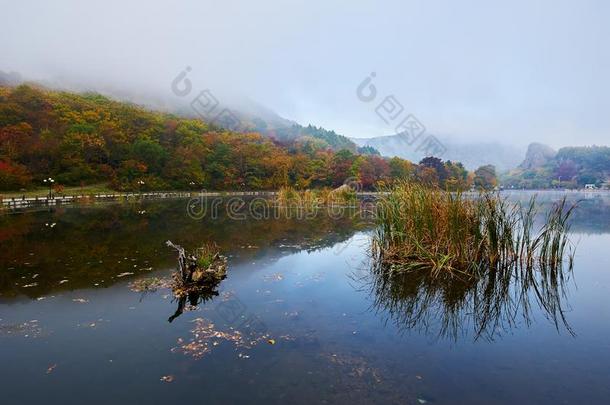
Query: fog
[{"x": 518, "y": 72}]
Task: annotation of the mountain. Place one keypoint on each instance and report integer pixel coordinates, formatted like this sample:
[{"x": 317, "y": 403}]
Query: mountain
[
  {"x": 236, "y": 114},
  {"x": 537, "y": 155},
  {"x": 569, "y": 167},
  {"x": 471, "y": 154},
  {"x": 79, "y": 139}
]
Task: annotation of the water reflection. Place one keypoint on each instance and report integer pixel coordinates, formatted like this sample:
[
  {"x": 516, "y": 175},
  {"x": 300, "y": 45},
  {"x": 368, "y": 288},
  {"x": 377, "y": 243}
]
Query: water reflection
[
  {"x": 98, "y": 246},
  {"x": 194, "y": 299},
  {"x": 591, "y": 217},
  {"x": 481, "y": 308},
  {"x": 287, "y": 326}
]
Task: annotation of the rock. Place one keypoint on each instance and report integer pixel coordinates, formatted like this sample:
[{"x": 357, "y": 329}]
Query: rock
[{"x": 537, "y": 155}]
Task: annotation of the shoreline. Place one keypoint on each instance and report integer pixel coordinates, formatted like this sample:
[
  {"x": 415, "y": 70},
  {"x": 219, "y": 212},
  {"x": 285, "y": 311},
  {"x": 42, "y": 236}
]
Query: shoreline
[{"x": 16, "y": 202}]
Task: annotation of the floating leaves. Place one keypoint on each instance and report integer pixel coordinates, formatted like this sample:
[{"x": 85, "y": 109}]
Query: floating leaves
[
  {"x": 356, "y": 366},
  {"x": 205, "y": 337},
  {"x": 167, "y": 378},
  {"x": 150, "y": 284},
  {"x": 274, "y": 277},
  {"x": 28, "y": 329}
]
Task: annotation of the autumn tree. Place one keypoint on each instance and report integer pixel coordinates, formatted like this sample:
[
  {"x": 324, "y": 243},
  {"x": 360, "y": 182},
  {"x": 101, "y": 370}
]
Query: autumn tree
[{"x": 485, "y": 177}]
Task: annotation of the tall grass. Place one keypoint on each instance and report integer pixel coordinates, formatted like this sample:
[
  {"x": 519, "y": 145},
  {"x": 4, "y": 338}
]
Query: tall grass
[
  {"x": 448, "y": 260},
  {"x": 453, "y": 235},
  {"x": 288, "y": 197}
]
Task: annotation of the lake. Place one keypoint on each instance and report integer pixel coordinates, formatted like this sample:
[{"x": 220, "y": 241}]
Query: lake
[{"x": 299, "y": 318}]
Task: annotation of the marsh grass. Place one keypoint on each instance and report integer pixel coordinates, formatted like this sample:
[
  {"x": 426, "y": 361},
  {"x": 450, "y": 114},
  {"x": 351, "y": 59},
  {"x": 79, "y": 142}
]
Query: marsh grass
[
  {"x": 288, "y": 197},
  {"x": 206, "y": 254},
  {"x": 457, "y": 236},
  {"x": 446, "y": 260}
]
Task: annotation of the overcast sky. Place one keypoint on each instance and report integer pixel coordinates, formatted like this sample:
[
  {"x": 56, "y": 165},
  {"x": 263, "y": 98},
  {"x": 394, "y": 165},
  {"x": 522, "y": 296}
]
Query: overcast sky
[{"x": 517, "y": 72}]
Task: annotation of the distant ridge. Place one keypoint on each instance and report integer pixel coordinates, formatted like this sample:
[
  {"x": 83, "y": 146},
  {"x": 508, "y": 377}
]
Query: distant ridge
[{"x": 471, "y": 154}]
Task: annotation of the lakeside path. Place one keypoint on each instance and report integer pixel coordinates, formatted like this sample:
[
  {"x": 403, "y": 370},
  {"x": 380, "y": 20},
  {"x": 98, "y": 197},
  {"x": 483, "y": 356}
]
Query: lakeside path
[{"x": 13, "y": 201}]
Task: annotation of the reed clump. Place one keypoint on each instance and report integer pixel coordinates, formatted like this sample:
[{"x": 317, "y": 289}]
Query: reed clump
[
  {"x": 288, "y": 197},
  {"x": 454, "y": 235}
]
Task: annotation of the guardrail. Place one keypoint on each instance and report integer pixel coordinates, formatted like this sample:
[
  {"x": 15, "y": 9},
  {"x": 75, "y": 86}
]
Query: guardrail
[
  {"x": 20, "y": 202},
  {"x": 23, "y": 202}
]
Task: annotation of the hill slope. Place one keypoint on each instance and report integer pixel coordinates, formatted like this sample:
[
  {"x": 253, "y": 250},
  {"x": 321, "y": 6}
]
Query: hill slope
[
  {"x": 80, "y": 139},
  {"x": 570, "y": 167}
]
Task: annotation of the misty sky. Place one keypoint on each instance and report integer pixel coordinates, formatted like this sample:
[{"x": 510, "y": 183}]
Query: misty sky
[{"x": 518, "y": 72}]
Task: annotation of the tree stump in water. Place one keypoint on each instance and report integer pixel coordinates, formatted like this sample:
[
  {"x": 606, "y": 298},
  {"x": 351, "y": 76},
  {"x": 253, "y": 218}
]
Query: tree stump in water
[
  {"x": 197, "y": 276},
  {"x": 203, "y": 270}
]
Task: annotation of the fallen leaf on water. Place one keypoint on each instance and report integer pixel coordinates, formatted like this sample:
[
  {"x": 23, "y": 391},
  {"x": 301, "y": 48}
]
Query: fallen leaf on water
[
  {"x": 124, "y": 274},
  {"x": 30, "y": 285},
  {"x": 274, "y": 277},
  {"x": 63, "y": 281},
  {"x": 51, "y": 368},
  {"x": 271, "y": 341},
  {"x": 167, "y": 378}
]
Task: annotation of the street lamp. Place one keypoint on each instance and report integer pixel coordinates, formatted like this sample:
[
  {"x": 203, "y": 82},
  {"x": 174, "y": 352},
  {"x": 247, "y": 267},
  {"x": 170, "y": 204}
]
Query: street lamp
[{"x": 50, "y": 182}]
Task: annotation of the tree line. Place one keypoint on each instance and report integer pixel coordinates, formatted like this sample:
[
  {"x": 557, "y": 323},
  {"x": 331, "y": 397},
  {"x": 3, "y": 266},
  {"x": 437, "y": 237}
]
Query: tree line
[{"x": 81, "y": 139}]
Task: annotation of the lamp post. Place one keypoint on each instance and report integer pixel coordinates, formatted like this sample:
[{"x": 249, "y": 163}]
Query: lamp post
[{"x": 49, "y": 181}]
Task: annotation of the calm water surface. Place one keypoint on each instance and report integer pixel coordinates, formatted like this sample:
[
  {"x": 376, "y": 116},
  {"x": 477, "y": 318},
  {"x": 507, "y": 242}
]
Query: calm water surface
[{"x": 296, "y": 321}]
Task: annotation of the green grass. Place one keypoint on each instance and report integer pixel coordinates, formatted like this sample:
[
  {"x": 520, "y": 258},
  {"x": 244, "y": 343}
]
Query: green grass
[
  {"x": 452, "y": 235},
  {"x": 102, "y": 188},
  {"x": 206, "y": 254}
]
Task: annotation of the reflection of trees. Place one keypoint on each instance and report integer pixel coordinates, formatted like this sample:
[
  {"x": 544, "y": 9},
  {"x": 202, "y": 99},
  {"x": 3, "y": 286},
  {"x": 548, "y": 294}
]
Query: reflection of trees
[
  {"x": 484, "y": 307},
  {"x": 95, "y": 243},
  {"x": 591, "y": 216}
]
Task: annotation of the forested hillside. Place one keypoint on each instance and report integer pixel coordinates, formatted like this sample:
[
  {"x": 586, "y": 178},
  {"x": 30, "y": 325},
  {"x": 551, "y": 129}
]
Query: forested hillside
[
  {"x": 570, "y": 167},
  {"x": 81, "y": 139}
]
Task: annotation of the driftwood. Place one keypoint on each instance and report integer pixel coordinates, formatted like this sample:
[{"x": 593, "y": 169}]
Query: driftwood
[
  {"x": 182, "y": 263},
  {"x": 191, "y": 272},
  {"x": 193, "y": 281}
]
